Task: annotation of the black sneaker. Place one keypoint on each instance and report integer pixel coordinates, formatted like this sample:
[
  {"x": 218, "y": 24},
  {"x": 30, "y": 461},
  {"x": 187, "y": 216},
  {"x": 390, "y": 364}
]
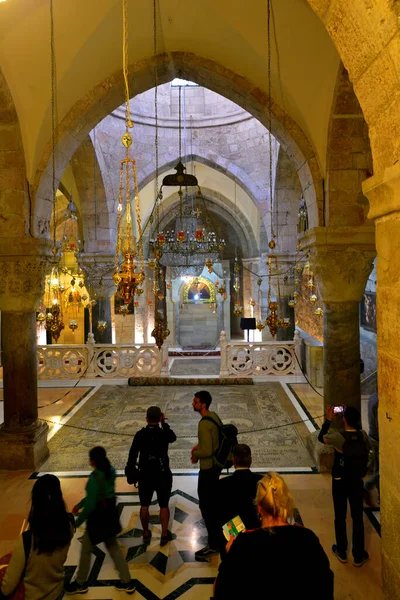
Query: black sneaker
[
  {"x": 166, "y": 538},
  {"x": 129, "y": 588},
  {"x": 205, "y": 553},
  {"x": 362, "y": 560},
  {"x": 76, "y": 588},
  {"x": 342, "y": 556}
]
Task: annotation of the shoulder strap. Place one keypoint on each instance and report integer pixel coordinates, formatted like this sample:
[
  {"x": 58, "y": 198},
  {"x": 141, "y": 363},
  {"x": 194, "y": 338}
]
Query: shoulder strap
[{"x": 212, "y": 421}]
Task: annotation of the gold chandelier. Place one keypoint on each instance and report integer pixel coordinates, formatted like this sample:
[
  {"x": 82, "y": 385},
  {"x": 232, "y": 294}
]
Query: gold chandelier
[{"x": 125, "y": 276}]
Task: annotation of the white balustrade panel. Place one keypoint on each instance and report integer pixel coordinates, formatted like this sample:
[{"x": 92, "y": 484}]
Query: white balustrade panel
[
  {"x": 62, "y": 362},
  {"x": 91, "y": 360},
  {"x": 122, "y": 361},
  {"x": 261, "y": 359}
]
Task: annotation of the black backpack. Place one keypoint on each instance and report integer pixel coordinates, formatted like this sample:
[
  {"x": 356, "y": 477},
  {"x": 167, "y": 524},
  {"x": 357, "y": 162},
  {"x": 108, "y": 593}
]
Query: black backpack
[
  {"x": 227, "y": 441},
  {"x": 355, "y": 453}
]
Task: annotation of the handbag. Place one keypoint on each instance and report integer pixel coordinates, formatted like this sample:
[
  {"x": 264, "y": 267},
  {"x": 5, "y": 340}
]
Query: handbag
[
  {"x": 19, "y": 592},
  {"x": 103, "y": 522}
]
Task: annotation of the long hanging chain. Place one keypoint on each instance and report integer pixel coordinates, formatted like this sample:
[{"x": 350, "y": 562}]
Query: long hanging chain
[
  {"x": 53, "y": 122},
  {"x": 270, "y": 114},
  {"x": 125, "y": 64},
  {"x": 180, "y": 132},
  {"x": 94, "y": 183},
  {"x": 158, "y": 200}
]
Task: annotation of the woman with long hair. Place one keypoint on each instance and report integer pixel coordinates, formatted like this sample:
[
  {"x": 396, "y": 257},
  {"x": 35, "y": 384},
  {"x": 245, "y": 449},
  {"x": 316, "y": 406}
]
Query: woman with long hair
[
  {"x": 99, "y": 510},
  {"x": 40, "y": 553},
  {"x": 278, "y": 558}
]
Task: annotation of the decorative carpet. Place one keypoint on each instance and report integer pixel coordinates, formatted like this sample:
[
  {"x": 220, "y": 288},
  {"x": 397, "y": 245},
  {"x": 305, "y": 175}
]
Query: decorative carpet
[
  {"x": 116, "y": 410},
  {"x": 199, "y": 381}
]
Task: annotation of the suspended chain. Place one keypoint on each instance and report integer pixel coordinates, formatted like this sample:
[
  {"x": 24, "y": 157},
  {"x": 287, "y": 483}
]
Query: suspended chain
[
  {"x": 94, "y": 183},
  {"x": 158, "y": 200},
  {"x": 128, "y": 122},
  {"x": 53, "y": 121},
  {"x": 269, "y": 113},
  {"x": 137, "y": 206},
  {"x": 180, "y": 132}
]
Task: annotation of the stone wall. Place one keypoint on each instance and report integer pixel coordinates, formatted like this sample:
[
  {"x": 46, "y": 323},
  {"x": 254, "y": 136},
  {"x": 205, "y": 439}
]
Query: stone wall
[{"x": 217, "y": 131}]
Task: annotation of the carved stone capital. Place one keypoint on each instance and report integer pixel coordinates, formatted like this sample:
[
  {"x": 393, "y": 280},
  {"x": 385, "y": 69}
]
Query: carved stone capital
[
  {"x": 341, "y": 259},
  {"x": 98, "y": 269},
  {"x": 23, "y": 266}
]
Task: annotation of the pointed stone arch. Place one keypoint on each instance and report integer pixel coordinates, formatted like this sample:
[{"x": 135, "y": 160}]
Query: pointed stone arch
[{"x": 108, "y": 95}]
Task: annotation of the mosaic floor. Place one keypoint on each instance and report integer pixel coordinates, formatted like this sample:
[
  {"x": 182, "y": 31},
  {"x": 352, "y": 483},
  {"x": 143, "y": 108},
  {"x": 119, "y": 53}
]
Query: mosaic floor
[
  {"x": 193, "y": 367},
  {"x": 112, "y": 415}
]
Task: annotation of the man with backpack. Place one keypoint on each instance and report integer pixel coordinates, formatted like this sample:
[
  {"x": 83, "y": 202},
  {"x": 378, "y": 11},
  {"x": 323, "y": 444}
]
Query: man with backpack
[
  {"x": 154, "y": 474},
  {"x": 349, "y": 467},
  {"x": 208, "y": 445}
]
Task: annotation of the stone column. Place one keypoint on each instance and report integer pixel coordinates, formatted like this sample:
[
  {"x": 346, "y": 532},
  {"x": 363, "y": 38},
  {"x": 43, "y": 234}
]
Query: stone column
[
  {"x": 383, "y": 192},
  {"x": 341, "y": 259},
  {"x": 23, "y": 437},
  {"x": 98, "y": 269}
]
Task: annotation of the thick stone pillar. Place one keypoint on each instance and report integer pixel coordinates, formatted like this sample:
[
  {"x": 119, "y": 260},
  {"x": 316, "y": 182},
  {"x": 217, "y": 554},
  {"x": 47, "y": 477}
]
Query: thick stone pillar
[
  {"x": 383, "y": 192},
  {"x": 23, "y": 438},
  {"x": 98, "y": 269},
  {"x": 342, "y": 353},
  {"x": 341, "y": 259}
]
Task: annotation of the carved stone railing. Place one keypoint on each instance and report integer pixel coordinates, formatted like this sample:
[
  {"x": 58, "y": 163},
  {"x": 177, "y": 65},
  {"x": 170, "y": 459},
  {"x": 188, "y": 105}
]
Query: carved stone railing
[
  {"x": 101, "y": 360},
  {"x": 258, "y": 359}
]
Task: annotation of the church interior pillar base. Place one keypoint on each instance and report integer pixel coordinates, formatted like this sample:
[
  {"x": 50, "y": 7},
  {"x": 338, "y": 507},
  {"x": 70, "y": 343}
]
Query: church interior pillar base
[{"x": 24, "y": 449}]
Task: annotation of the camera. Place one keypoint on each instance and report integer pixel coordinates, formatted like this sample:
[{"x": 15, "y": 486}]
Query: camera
[{"x": 338, "y": 409}]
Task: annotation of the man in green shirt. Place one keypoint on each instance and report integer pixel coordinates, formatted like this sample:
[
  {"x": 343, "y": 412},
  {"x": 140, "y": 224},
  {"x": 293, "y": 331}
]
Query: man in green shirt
[{"x": 208, "y": 436}]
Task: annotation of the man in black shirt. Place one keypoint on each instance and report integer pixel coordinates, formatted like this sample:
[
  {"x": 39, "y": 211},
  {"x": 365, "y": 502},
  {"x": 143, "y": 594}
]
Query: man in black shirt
[
  {"x": 349, "y": 467},
  {"x": 236, "y": 493},
  {"x": 151, "y": 444}
]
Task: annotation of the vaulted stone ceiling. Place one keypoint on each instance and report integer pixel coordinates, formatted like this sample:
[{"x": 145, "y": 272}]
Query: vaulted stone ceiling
[{"x": 88, "y": 47}]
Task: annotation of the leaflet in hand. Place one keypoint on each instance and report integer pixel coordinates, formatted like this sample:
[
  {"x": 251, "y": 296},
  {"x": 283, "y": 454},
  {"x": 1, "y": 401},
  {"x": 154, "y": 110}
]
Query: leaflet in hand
[{"x": 233, "y": 528}]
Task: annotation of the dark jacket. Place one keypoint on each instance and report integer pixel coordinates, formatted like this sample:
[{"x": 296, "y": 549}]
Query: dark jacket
[
  {"x": 236, "y": 495},
  {"x": 275, "y": 563},
  {"x": 150, "y": 444}
]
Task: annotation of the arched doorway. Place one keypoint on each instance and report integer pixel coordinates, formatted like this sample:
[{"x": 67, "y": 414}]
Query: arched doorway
[{"x": 197, "y": 325}]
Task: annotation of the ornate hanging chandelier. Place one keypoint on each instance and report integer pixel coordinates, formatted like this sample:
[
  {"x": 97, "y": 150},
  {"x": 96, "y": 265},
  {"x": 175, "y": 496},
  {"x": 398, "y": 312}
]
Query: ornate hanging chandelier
[
  {"x": 125, "y": 277},
  {"x": 191, "y": 242}
]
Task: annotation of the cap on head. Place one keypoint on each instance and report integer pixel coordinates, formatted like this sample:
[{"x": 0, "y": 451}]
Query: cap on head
[{"x": 153, "y": 414}]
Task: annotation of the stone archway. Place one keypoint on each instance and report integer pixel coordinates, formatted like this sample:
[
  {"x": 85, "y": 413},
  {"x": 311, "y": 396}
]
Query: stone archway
[
  {"x": 103, "y": 99},
  {"x": 366, "y": 36},
  {"x": 14, "y": 198},
  {"x": 98, "y": 235}
]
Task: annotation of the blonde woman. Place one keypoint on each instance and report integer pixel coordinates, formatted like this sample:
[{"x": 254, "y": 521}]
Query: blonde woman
[{"x": 278, "y": 558}]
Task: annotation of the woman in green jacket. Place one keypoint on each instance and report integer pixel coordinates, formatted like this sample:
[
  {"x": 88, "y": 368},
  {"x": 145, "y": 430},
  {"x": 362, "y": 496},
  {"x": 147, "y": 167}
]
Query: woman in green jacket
[{"x": 100, "y": 491}]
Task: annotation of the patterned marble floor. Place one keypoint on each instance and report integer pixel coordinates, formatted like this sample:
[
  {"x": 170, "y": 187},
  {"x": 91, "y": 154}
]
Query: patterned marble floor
[{"x": 170, "y": 573}]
